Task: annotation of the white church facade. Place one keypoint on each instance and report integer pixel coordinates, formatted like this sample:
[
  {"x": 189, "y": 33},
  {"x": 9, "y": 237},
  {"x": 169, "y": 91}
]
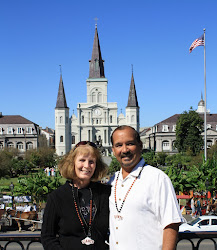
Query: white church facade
[{"x": 97, "y": 118}]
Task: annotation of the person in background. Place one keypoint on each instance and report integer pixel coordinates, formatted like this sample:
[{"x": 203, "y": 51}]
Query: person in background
[
  {"x": 192, "y": 207},
  {"x": 144, "y": 213},
  {"x": 77, "y": 214}
]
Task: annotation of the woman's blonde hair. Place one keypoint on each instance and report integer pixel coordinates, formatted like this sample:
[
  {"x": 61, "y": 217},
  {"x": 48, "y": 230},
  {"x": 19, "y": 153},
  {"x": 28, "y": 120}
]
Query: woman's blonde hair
[{"x": 67, "y": 164}]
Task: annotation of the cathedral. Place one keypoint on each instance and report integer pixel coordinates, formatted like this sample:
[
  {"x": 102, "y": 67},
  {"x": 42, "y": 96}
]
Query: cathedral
[{"x": 97, "y": 118}]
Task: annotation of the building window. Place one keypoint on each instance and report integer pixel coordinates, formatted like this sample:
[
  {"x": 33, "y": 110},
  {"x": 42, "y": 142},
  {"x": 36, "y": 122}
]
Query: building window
[
  {"x": 165, "y": 128},
  {"x": 20, "y": 146},
  {"x": 174, "y": 128},
  {"x": 10, "y": 145},
  {"x": 166, "y": 146},
  {"x": 61, "y": 119},
  {"x": 173, "y": 145},
  {"x": 73, "y": 139},
  {"x": 29, "y": 145},
  {"x": 1, "y": 131},
  {"x": 19, "y": 130},
  {"x": 61, "y": 138},
  {"x": 208, "y": 126},
  {"x": 209, "y": 143},
  {"x": 82, "y": 119},
  {"x": 67, "y": 119},
  {"x": 29, "y": 130},
  {"x": 132, "y": 118},
  {"x": 99, "y": 97},
  {"x": 110, "y": 118},
  {"x": 1, "y": 145},
  {"x": 93, "y": 97},
  {"x": 10, "y": 130}
]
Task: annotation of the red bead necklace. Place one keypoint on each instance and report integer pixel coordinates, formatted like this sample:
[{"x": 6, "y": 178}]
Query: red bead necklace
[{"x": 79, "y": 216}]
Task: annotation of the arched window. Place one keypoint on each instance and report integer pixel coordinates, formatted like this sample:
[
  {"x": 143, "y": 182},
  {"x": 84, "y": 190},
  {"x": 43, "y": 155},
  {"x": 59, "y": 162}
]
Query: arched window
[
  {"x": 209, "y": 143},
  {"x": 173, "y": 145},
  {"x": 99, "y": 97},
  {"x": 29, "y": 145},
  {"x": 132, "y": 118},
  {"x": 165, "y": 145},
  {"x": 93, "y": 97},
  {"x": 82, "y": 119},
  {"x": 10, "y": 145},
  {"x": 61, "y": 138},
  {"x": 110, "y": 118},
  {"x": 73, "y": 139},
  {"x": 20, "y": 145},
  {"x": 61, "y": 119}
]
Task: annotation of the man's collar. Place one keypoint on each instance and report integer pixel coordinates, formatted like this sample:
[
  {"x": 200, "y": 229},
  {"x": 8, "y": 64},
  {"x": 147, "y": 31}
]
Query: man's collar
[{"x": 136, "y": 170}]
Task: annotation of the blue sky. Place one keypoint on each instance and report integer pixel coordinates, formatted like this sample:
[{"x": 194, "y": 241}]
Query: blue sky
[{"x": 154, "y": 36}]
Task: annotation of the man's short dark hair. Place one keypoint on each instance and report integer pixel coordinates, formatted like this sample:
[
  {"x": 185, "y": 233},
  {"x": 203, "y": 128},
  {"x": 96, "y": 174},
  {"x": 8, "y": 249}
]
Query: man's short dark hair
[{"x": 136, "y": 134}]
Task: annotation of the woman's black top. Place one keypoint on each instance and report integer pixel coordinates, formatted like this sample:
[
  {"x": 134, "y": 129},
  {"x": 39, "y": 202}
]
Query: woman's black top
[{"x": 61, "y": 228}]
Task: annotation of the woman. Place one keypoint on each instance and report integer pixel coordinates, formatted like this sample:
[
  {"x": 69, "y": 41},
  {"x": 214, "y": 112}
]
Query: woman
[{"x": 77, "y": 214}]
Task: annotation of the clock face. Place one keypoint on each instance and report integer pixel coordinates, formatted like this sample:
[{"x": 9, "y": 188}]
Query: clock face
[{"x": 97, "y": 112}]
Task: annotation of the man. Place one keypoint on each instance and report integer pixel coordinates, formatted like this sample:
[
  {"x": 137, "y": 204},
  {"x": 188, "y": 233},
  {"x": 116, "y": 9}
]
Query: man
[{"x": 144, "y": 213}]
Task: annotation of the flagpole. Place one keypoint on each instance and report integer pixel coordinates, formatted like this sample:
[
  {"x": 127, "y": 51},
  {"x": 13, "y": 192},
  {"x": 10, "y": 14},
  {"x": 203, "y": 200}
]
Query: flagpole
[{"x": 205, "y": 137}]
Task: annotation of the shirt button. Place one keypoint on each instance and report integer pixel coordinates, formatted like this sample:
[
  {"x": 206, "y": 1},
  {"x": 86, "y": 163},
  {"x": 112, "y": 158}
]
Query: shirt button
[
  {"x": 122, "y": 185},
  {"x": 117, "y": 243},
  {"x": 116, "y": 227},
  {"x": 119, "y": 199}
]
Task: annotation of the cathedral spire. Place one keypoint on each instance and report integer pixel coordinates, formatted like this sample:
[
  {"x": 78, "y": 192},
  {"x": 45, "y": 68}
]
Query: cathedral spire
[
  {"x": 61, "y": 99},
  {"x": 96, "y": 62},
  {"x": 132, "y": 99}
]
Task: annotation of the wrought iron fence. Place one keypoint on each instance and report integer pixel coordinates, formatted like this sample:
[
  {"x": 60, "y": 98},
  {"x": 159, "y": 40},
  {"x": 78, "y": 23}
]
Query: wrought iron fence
[
  {"x": 200, "y": 236},
  {"x": 19, "y": 239},
  {"x": 32, "y": 238}
]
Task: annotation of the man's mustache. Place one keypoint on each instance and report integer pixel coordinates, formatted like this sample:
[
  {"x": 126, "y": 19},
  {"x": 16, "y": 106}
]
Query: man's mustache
[{"x": 126, "y": 154}]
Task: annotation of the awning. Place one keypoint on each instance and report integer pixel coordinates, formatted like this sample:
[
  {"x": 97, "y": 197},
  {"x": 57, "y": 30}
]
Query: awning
[{"x": 183, "y": 196}]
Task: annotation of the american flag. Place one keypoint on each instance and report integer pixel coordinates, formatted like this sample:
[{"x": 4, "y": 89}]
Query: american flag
[{"x": 198, "y": 42}]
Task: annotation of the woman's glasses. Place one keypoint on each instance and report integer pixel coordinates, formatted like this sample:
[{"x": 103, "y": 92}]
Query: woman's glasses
[{"x": 82, "y": 143}]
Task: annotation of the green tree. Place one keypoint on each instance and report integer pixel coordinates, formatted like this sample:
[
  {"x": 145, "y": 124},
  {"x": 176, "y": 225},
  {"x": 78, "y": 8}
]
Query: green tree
[
  {"x": 42, "y": 157},
  {"x": 8, "y": 162},
  {"x": 188, "y": 132},
  {"x": 114, "y": 165},
  {"x": 37, "y": 185}
]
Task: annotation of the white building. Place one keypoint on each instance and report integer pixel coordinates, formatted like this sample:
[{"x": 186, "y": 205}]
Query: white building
[
  {"x": 162, "y": 136},
  {"x": 97, "y": 118},
  {"x": 18, "y": 132}
]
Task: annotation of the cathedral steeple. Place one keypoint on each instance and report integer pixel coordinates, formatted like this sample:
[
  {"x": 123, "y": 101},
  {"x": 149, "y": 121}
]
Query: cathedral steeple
[
  {"x": 96, "y": 62},
  {"x": 61, "y": 99},
  {"x": 132, "y": 99}
]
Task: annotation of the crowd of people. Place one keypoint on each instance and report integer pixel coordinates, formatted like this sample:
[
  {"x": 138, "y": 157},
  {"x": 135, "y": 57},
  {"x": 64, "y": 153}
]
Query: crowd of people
[
  {"x": 50, "y": 171},
  {"x": 201, "y": 206}
]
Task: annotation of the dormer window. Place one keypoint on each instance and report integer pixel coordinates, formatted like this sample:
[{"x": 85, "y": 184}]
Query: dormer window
[
  {"x": 10, "y": 130},
  {"x": 19, "y": 130},
  {"x": 29, "y": 130},
  {"x": 174, "y": 128},
  {"x": 165, "y": 128},
  {"x": 1, "y": 131},
  {"x": 208, "y": 126}
]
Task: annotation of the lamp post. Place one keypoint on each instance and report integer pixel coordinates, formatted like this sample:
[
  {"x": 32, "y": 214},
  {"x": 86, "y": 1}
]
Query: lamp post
[{"x": 207, "y": 185}]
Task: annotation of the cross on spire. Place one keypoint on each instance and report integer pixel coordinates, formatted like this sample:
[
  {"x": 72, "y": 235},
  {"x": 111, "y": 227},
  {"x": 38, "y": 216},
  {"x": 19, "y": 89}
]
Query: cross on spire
[
  {"x": 60, "y": 69},
  {"x": 96, "y": 19}
]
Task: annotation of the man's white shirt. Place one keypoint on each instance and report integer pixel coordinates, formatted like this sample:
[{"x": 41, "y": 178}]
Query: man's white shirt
[{"x": 150, "y": 206}]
